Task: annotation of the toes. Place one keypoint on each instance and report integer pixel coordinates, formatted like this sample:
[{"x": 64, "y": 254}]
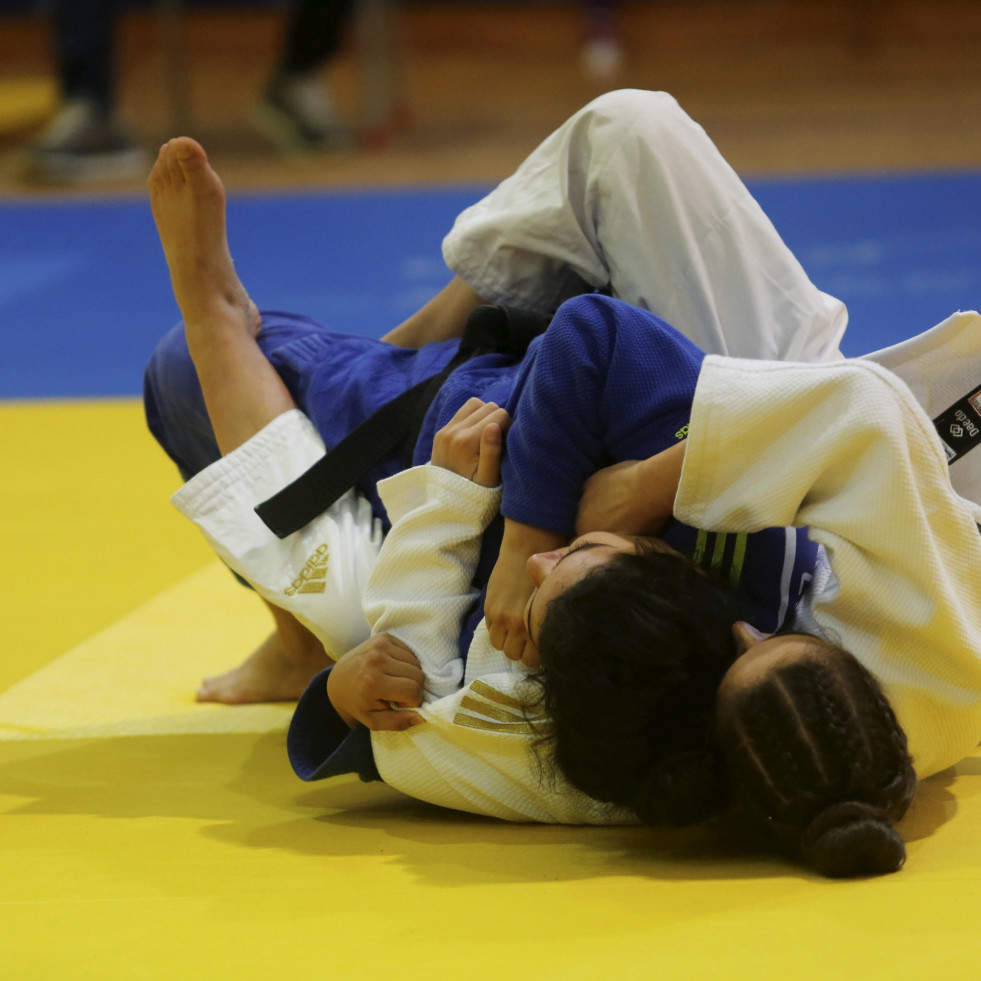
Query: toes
[
  {"x": 207, "y": 691},
  {"x": 190, "y": 156},
  {"x": 182, "y": 161},
  {"x": 188, "y": 149},
  {"x": 225, "y": 689},
  {"x": 160, "y": 173},
  {"x": 175, "y": 174}
]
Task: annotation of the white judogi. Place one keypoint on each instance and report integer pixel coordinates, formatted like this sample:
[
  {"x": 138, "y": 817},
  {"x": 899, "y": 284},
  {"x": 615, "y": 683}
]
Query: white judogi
[
  {"x": 846, "y": 449},
  {"x": 630, "y": 195},
  {"x": 843, "y": 448},
  {"x": 475, "y": 752}
]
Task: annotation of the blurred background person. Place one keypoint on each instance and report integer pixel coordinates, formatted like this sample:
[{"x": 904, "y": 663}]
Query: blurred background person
[{"x": 86, "y": 140}]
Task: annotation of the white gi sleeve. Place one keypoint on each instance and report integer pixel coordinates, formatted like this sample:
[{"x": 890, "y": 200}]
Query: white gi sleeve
[
  {"x": 421, "y": 587},
  {"x": 475, "y": 751},
  {"x": 846, "y": 450},
  {"x": 318, "y": 573}
]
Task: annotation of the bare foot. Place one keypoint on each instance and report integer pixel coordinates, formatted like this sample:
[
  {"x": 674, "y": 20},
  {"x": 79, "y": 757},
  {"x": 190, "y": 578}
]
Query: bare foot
[
  {"x": 279, "y": 670},
  {"x": 188, "y": 202},
  {"x": 270, "y": 674}
]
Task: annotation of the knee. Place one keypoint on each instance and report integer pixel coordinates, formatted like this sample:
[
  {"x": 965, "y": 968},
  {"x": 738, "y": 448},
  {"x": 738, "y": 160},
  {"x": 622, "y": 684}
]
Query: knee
[{"x": 631, "y": 110}]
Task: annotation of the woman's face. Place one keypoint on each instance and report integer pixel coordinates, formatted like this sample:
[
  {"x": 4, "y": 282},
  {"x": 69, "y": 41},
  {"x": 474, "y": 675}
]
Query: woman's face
[{"x": 554, "y": 572}]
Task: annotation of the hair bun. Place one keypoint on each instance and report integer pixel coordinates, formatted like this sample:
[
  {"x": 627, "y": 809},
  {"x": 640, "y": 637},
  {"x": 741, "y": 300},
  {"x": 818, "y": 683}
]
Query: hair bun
[{"x": 852, "y": 839}]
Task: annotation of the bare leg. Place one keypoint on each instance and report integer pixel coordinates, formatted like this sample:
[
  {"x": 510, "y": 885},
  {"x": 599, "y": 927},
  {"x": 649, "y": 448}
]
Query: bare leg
[
  {"x": 442, "y": 318},
  {"x": 241, "y": 389}
]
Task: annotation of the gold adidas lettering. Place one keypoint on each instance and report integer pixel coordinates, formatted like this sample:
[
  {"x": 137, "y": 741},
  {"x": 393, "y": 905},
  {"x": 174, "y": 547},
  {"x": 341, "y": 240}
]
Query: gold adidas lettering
[
  {"x": 313, "y": 575},
  {"x": 497, "y": 711}
]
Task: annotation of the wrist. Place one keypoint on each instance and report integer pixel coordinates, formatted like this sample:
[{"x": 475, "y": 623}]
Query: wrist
[
  {"x": 657, "y": 479},
  {"x": 334, "y": 696}
]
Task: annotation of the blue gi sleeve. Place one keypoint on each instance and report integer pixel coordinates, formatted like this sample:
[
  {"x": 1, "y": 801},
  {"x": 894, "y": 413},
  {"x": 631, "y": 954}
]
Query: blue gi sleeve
[
  {"x": 319, "y": 742},
  {"x": 607, "y": 382}
]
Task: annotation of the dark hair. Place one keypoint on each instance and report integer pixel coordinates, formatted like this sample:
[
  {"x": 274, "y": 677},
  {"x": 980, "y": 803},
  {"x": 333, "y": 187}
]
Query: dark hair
[
  {"x": 632, "y": 656},
  {"x": 816, "y": 757}
]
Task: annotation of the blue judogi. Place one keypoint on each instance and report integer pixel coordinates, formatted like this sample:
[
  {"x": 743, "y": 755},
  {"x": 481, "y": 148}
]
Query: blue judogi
[{"x": 606, "y": 383}]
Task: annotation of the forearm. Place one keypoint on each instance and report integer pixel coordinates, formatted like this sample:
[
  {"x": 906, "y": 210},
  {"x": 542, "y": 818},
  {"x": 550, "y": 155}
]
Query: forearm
[
  {"x": 635, "y": 497},
  {"x": 521, "y": 539},
  {"x": 654, "y": 489},
  {"x": 510, "y": 586},
  {"x": 421, "y": 587}
]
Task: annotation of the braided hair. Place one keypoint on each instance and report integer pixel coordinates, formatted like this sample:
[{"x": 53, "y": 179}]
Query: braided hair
[{"x": 816, "y": 758}]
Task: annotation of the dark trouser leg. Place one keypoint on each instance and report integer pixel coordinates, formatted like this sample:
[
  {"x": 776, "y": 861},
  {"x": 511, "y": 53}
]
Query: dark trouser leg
[
  {"x": 314, "y": 33},
  {"x": 174, "y": 406},
  {"x": 84, "y": 48}
]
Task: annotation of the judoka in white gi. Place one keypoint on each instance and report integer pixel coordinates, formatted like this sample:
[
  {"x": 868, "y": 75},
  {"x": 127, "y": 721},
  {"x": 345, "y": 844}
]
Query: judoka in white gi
[{"x": 933, "y": 682}]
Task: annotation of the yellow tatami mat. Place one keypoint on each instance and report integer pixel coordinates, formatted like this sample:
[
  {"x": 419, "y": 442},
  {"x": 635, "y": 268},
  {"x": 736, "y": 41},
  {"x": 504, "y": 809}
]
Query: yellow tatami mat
[
  {"x": 136, "y": 677},
  {"x": 145, "y": 836}
]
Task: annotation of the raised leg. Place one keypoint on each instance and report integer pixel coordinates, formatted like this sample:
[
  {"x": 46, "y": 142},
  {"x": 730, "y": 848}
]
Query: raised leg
[
  {"x": 242, "y": 391},
  {"x": 631, "y": 196}
]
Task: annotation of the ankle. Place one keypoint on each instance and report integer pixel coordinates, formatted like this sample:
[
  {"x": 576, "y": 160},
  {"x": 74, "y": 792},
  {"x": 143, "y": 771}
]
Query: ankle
[{"x": 293, "y": 639}]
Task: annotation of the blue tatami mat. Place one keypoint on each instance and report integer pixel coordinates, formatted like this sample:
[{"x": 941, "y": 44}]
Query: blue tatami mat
[{"x": 84, "y": 293}]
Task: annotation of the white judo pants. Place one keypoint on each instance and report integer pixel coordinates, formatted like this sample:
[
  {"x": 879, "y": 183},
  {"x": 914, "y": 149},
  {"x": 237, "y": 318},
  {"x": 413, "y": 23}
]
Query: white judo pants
[{"x": 631, "y": 196}]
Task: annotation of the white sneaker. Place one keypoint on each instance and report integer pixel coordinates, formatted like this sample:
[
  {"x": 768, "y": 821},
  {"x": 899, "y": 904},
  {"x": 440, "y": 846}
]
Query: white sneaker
[
  {"x": 298, "y": 114},
  {"x": 83, "y": 144}
]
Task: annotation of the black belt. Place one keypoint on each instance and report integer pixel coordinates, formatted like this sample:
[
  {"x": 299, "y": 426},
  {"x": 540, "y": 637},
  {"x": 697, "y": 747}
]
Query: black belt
[
  {"x": 959, "y": 427},
  {"x": 395, "y": 426}
]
